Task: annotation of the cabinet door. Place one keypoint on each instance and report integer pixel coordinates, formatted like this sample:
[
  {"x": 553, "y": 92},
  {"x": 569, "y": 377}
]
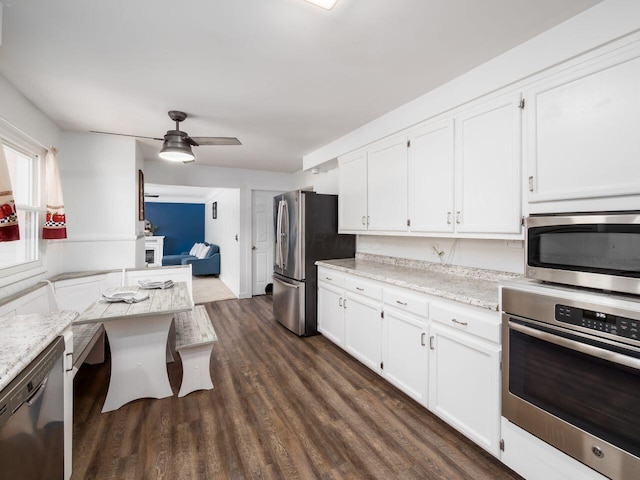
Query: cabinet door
[
  {"x": 464, "y": 385},
  {"x": 387, "y": 195},
  {"x": 405, "y": 357},
  {"x": 582, "y": 131},
  {"x": 352, "y": 187},
  {"x": 488, "y": 167},
  {"x": 363, "y": 330},
  {"x": 331, "y": 313},
  {"x": 431, "y": 178}
]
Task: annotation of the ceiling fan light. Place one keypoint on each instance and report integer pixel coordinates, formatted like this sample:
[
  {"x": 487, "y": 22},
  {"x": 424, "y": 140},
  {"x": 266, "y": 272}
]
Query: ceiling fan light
[
  {"x": 326, "y": 4},
  {"x": 176, "y": 148},
  {"x": 177, "y": 154}
]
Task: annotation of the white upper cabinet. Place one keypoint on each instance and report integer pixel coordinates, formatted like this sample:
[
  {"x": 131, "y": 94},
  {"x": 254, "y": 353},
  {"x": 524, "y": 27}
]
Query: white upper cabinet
[
  {"x": 387, "y": 185},
  {"x": 352, "y": 188},
  {"x": 582, "y": 135},
  {"x": 488, "y": 167},
  {"x": 431, "y": 178}
]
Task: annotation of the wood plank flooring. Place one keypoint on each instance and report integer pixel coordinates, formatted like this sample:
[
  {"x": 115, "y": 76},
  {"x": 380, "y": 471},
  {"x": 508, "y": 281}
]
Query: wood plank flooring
[{"x": 283, "y": 407}]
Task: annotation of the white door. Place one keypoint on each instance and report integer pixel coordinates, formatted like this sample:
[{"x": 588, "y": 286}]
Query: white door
[
  {"x": 363, "y": 330},
  {"x": 464, "y": 385},
  {"x": 387, "y": 185},
  {"x": 352, "y": 189},
  {"x": 262, "y": 240},
  {"x": 331, "y": 313},
  {"x": 405, "y": 353},
  {"x": 431, "y": 178},
  {"x": 488, "y": 167}
]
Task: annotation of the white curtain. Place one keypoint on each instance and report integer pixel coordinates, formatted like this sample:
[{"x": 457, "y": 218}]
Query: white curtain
[
  {"x": 56, "y": 222},
  {"x": 9, "y": 230}
]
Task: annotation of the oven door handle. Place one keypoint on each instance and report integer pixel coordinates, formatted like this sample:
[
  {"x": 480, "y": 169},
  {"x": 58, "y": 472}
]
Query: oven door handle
[{"x": 585, "y": 348}]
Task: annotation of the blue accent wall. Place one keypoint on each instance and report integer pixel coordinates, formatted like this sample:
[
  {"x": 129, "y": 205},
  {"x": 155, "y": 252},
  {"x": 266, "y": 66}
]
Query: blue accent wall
[{"x": 182, "y": 224}]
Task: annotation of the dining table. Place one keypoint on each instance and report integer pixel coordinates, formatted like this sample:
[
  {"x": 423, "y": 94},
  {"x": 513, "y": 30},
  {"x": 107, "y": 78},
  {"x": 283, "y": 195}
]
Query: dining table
[{"x": 138, "y": 334}]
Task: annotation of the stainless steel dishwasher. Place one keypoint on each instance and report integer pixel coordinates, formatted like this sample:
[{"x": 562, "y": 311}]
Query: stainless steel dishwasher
[{"x": 32, "y": 419}]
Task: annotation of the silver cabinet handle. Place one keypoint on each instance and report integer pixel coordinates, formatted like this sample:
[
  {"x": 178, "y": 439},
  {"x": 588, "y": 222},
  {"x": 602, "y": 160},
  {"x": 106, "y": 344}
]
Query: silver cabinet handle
[
  {"x": 448, "y": 218},
  {"x": 340, "y": 302},
  {"x": 401, "y": 303},
  {"x": 361, "y": 289},
  {"x": 431, "y": 343},
  {"x": 328, "y": 278},
  {"x": 363, "y": 220},
  {"x": 422, "y": 335},
  {"x": 285, "y": 284},
  {"x": 464, "y": 324},
  {"x": 458, "y": 217},
  {"x": 344, "y": 303}
]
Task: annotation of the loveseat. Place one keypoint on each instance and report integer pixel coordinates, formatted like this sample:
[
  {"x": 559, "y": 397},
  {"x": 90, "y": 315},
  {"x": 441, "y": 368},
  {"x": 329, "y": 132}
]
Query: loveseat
[{"x": 209, "y": 265}]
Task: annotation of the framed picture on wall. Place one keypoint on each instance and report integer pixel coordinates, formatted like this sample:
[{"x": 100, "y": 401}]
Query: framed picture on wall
[
  {"x": 140, "y": 195},
  {"x": 214, "y": 210}
]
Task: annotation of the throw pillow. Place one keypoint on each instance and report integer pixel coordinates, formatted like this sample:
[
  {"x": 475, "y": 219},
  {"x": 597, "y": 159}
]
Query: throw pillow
[
  {"x": 203, "y": 253},
  {"x": 193, "y": 249}
]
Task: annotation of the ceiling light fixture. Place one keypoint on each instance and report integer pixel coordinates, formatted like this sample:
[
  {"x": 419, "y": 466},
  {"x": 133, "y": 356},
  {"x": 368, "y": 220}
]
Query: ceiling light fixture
[
  {"x": 315, "y": 171},
  {"x": 326, "y": 4},
  {"x": 176, "y": 148}
]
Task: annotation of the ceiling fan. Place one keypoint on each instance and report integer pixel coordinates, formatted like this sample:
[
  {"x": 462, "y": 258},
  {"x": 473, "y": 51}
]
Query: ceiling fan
[{"x": 177, "y": 144}]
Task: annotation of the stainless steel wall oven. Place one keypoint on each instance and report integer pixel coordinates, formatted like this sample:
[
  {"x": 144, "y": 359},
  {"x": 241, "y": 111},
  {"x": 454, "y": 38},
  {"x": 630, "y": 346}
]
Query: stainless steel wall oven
[{"x": 571, "y": 374}]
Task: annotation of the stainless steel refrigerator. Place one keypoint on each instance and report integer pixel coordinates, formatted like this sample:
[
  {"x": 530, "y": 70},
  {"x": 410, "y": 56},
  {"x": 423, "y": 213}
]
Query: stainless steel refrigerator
[{"x": 306, "y": 229}]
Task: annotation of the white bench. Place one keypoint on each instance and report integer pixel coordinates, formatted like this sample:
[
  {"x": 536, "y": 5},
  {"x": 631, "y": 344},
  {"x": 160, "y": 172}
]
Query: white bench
[{"x": 194, "y": 342}]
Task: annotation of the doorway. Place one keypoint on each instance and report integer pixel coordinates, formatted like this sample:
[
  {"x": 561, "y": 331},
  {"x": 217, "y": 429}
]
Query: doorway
[{"x": 262, "y": 240}]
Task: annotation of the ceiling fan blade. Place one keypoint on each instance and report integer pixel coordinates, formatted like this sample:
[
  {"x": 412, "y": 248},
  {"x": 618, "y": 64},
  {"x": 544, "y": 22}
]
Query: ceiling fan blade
[
  {"x": 216, "y": 141},
  {"x": 126, "y": 135}
]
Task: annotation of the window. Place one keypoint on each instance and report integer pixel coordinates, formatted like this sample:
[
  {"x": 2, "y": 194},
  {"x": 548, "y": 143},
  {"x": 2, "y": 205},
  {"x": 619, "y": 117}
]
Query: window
[{"x": 25, "y": 170}]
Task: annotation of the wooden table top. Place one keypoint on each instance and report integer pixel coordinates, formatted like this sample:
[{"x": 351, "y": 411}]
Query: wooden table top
[{"x": 170, "y": 300}]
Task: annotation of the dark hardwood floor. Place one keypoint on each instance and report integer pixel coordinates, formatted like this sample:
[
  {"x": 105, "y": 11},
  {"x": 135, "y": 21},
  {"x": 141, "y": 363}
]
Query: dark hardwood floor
[{"x": 282, "y": 407}]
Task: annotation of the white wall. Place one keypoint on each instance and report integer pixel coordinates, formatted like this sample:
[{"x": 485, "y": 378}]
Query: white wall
[
  {"x": 323, "y": 182},
  {"x": 222, "y": 231},
  {"x": 100, "y": 185},
  {"x": 165, "y": 173},
  {"x": 503, "y": 255},
  {"x": 25, "y": 121}
]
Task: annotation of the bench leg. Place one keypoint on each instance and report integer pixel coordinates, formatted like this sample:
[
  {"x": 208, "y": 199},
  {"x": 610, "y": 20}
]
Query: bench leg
[{"x": 195, "y": 369}]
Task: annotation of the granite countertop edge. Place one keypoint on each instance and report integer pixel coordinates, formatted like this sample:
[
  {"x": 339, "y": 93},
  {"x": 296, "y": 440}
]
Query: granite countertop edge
[
  {"x": 29, "y": 335},
  {"x": 392, "y": 274}
]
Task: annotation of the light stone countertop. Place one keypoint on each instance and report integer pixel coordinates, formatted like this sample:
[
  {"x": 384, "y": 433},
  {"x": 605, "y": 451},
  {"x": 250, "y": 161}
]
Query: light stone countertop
[
  {"x": 472, "y": 286},
  {"x": 24, "y": 337}
]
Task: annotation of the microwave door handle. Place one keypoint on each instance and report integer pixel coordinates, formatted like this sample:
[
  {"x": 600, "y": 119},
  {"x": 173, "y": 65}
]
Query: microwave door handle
[{"x": 585, "y": 348}]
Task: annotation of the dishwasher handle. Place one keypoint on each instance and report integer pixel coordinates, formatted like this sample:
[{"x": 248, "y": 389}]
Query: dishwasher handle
[{"x": 37, "y": 393}]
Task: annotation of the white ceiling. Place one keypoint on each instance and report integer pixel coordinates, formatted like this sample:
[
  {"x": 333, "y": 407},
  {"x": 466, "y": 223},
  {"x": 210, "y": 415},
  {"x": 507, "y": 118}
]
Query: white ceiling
[{"x": 284, "y": 76}]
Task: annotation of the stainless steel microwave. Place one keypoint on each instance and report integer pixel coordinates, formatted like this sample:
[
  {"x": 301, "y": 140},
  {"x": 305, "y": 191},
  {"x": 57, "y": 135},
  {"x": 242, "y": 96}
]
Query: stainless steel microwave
[{"x": 593, "y": 250}]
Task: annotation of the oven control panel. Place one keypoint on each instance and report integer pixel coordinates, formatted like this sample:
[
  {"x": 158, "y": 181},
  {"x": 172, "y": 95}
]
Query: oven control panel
[{"x": 599, "y": 321}]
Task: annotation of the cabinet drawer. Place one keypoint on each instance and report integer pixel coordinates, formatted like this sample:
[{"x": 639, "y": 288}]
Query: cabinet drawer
[
  {"x": 483, "y": 324},
  {"x": 330, "y": 276},
  {"x": 406, "y": 301},
  {"x": 363, "y": 287}
]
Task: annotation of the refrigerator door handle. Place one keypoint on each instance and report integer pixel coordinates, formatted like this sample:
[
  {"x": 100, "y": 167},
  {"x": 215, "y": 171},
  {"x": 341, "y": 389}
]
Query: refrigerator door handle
[
  {"x": 285, "y": 234},
  {"x": 285, "y": 284}
]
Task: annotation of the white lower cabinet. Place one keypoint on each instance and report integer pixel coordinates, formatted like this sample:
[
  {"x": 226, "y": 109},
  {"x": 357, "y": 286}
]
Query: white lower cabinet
[
  {"x": 331, "y": 312},
  {"x": 443, "y": 354},
  {"x": 363, "y": 329},
  {"x": 464, "y": 384},
  {"x": 405, "y": 356}
]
